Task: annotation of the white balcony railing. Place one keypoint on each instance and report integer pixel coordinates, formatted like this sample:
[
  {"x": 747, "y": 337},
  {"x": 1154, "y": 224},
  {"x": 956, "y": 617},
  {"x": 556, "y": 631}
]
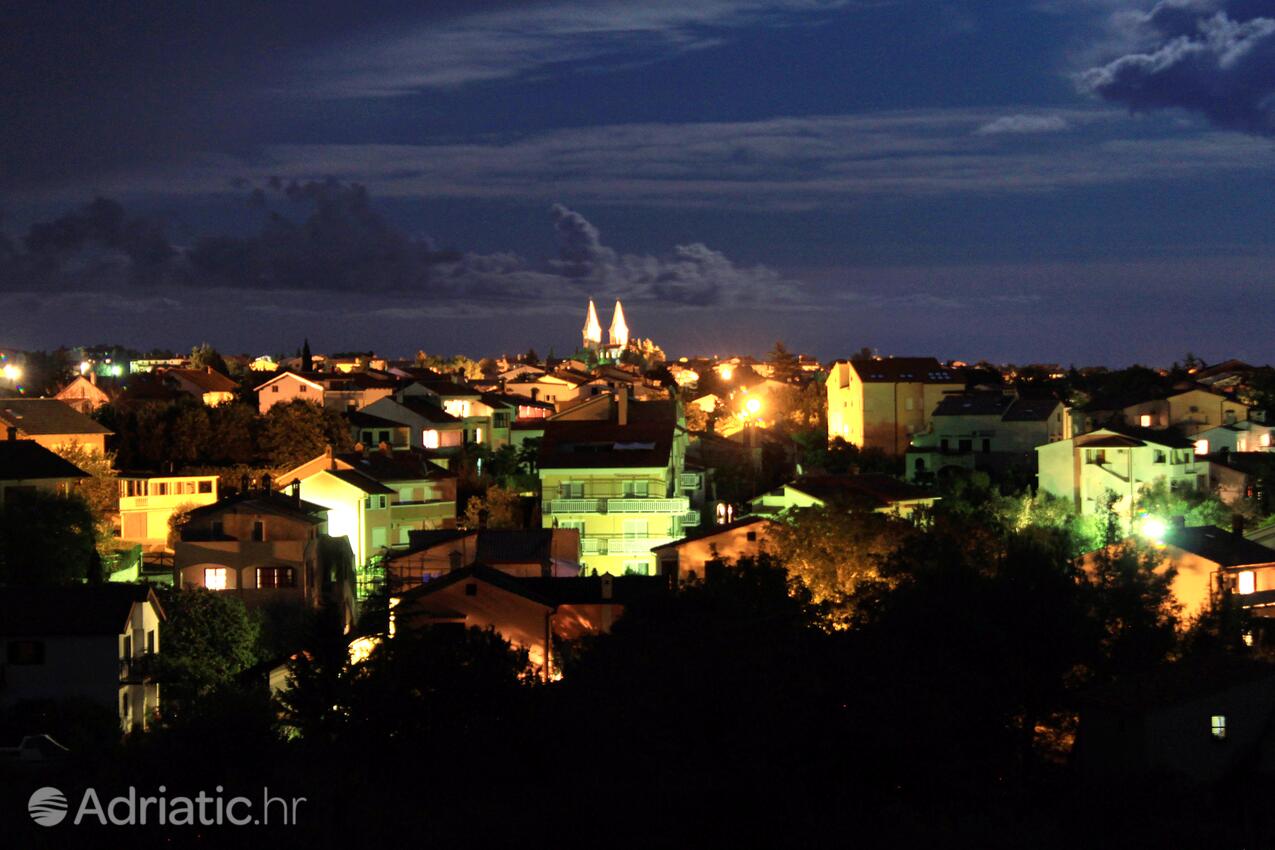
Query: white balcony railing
[
  {"x": 691, "y": 519},
  {"x": 575, "y": 506},
  {"x": 679, "y": 505},
  {"x": 620, "y": 545},
  {"x": 688, "y": 480}
]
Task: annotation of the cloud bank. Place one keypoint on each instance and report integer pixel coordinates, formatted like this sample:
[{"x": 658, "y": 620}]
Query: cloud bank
[
  {"x": 1212, "y": 57},
  {"x": 344, "y": 245}
]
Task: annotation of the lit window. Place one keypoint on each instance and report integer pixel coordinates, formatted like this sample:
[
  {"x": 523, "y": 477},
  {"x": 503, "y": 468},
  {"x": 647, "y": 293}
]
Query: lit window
[
  {"x": 1201, "y": 447},
  {"x": 1217, "y": 725},
  {"x": 430, "y": 439},
  {"x": 215, "y": 578},
  {"x": 1248, "y": 638},
  {"x": 1264, "y": 440},
  {"x": 1145, "y": 420},
  {"x": 478, "y": 435},
  {"x": 276, "y": 577},
  {"x": 1247, "y": 582}
]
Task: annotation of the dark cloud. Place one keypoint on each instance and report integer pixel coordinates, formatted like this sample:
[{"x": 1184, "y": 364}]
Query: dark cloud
[
  {"x": 344, "y": 245},
  {"x": 1214, "y": 57}
]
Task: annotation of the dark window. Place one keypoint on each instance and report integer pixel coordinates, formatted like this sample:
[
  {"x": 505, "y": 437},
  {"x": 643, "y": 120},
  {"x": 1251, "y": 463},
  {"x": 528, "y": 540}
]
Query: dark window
[
  {"x": 276, "y": 577},
  {"x": 150, "y": 642},
  {"x": 752, "y": 537},
  {"x": 385, "y": 437},
  {"x": 205, "y": 486},
  {"x": 367, "y": 437},
  {"x": 26, "y": 652},
  {"x": 258, "y": 530},
  {"x": 471, "y": 589},
  {"x": 275, "y": 388},
  {"x": 965, "y": 445},
  {"x": 987, "y": 445}
]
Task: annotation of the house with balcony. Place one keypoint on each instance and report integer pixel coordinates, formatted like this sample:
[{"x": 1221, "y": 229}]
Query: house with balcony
[
  {"x": 429, "y": 426},
  {"x": 989, "y": 431},
  {"x": 266, "y": 547},
  {"x": 372, "y": 431},
  {"x": 548, "y": 552},
  {"x": 617, "y": 479},
  {"x": 149, "y": 501},
  {"x": 1117, "y": 463},
  {"x": 883, "y": 402},
  {"x": 92, "y": 642},
  {"x": 551, "y": 388},
  {"x": 26, "y": 466},
  {"x": 1187, "y": 408},
  {"x": 51, "y": 423}
]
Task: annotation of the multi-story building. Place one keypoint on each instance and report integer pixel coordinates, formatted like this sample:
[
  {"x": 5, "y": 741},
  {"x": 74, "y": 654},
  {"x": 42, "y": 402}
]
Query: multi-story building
[
  {"x": 986, "y": 430},
  {"x": 1118, "y": 463},
  {"x": 618, "y": 478},
  {"x": 882, "y": 403}
]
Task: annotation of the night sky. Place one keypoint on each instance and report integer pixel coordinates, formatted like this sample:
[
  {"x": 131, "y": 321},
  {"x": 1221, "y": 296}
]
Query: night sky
[{"x": 1074, "y": 181}]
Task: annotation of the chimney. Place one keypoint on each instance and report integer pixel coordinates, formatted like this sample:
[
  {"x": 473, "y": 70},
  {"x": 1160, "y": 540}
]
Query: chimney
[
  {"x": 296, "y": 492},
  {"x": 1237, "y": 525},
  {"x": 327, "y": 453},
  {"x": 11, "y": 432},
  {"x": 267, "y": 484},
  {"x": 453, "y": 559},
  {"x": 93, "y": 377},
  {"x": 622, "y": 407},
  {"x": 244, "y": 481},
  {"x": 608, "y": 587}
]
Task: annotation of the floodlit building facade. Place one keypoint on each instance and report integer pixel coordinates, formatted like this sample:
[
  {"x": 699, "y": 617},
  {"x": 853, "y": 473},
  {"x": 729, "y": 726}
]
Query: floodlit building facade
[{"x": 882, "y": 403}]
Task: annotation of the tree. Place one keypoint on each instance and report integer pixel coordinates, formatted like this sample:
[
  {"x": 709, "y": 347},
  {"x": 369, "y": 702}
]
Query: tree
[
  {"x": 498, "y": 508},
  {"x": 307, "y": 359},
  {"x": 1197, "y": 507},
  {"x": 189, "y": 433},
  {"x": 299, "y": 431},
  {"x": 1133, "y": 603},
  {"x": 233, "y": 434},
  {"x": 785, "y": 366},
  {"x": 204, "y": 356},
  {"x": 209, "y": 638},
  {"x": 829, "y": 552},
  {"x": 100, "y": 492},
  {"x": 46, "y": 538}
]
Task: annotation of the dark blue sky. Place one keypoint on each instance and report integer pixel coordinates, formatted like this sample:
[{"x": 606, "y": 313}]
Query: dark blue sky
[{"x": 1058, "y": 180}]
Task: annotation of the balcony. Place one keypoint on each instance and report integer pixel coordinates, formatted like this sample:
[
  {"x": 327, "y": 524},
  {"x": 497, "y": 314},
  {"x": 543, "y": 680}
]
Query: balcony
[
  {"x": 574, "y": 506},
  {"x": 690, "y": 519},
  {"x": 678, "y": 505},
  {"x": 620, "y": 545},
  {"x": 688, "y": 480}
]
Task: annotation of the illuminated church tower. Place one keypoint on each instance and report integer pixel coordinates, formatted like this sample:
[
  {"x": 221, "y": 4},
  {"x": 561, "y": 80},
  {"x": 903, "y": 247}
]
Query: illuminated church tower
[
  {"x": 592, "y": 331},
  {"x": 619, "y": 332}
]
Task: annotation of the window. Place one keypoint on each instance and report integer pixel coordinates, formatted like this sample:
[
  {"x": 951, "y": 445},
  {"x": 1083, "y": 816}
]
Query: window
[
  {"x": 205, "y": 486},
  {"x": 1246, "y": 582},
  {"x": 275, "y": 388},
  {"x": 383, "y": 437},
  {"x": 637, "y": 489},
  {"x": 215, "y": 578},
  {"x": 150, "y": 642},
  {"x": 1145, "y": 420},
  {"x": 1201, "y": 447},
  {"x": 128, "y": 647},
  {"x": 572, "y": 524},
  {"x": 635, "y": 529},
  {"x": 258, "y": 530},
  {"x": 379, "y": 537},
  {"x": 275, "y": 577},
  {"x": 302, "y": 388},
  {"x": 25, "y": 652},
  {"x": 751, "y": 536},
  {"x": 964, "y": 445},
  {"x": 637, "y": 568},
  {"x": 429, "y": 439},
  {"x": 1217, "y": 725},
  {"x": 500, "y": 420},
  {"x": 571, "y": 490},
  {"x": 908, "y": 404},
  {"x": 161, "y": 489},
  {"x": 1264, "y": 440},
  {"x": 365, "y": 437},
  {"x": 1158, "y": 457},
  {"x": 407, "y": 494}
]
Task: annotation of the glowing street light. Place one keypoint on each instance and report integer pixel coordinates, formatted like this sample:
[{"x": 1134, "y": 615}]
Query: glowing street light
[
  {"x": 753, "y": 406},
  {"x": 12, "y": 372},
  {"x": 1153, "y": 528}
]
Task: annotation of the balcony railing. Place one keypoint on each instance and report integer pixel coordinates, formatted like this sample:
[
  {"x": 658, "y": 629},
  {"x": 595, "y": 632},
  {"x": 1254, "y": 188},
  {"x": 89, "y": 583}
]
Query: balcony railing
[
  {"x": 575, "y": 506},
  {"x": 688, "y": 480},
  {"x": 690, "y": 519},
  {"x": 679, "y": 505},
  {"x": 139, "y": 668},
  {"x": 620, "y": 545}
]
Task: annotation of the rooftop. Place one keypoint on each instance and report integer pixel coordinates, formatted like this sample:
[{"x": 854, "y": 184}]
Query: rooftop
[
  {"x": 27, "y": 460},
  {"x": 39, "y": 416}
]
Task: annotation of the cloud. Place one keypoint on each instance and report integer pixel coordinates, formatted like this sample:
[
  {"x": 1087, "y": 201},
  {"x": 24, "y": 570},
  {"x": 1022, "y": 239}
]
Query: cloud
[
  {"x": 536, "y": 39},
  {"x": 1024, "y": 124},
  {"x": 1212, "y": 57},
  {"x": 344, "y": 245}
]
